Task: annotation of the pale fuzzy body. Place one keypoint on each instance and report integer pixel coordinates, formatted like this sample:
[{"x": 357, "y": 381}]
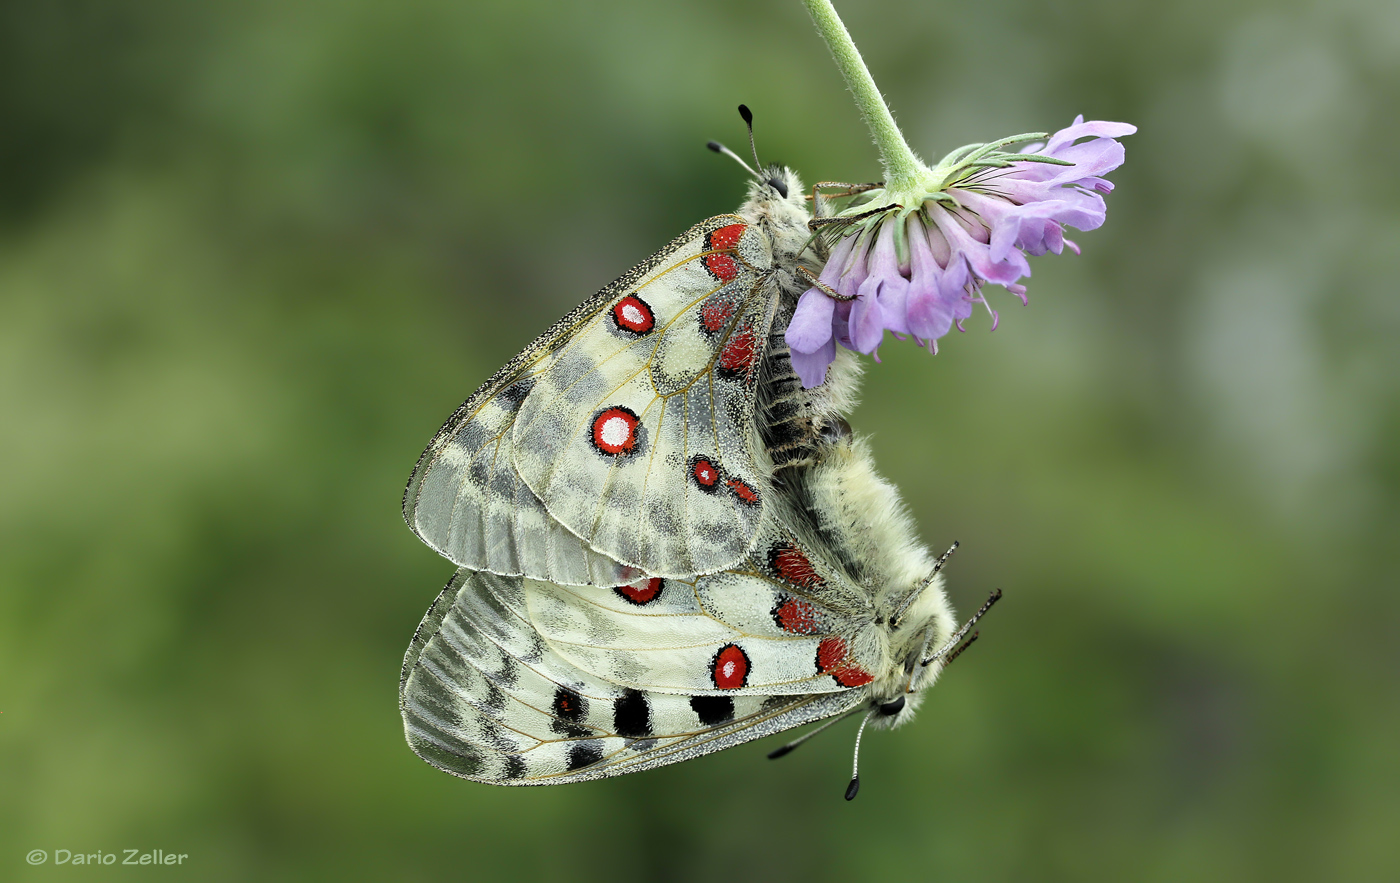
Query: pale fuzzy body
[{"x": 723, "y": 564}]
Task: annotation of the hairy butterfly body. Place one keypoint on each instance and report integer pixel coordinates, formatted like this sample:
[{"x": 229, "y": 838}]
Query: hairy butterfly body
[{"x": 666, "y": 546}]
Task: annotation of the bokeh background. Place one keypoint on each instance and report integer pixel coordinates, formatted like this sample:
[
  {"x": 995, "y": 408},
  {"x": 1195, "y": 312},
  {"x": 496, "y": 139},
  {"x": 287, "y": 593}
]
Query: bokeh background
[{"x": 253, "y": 253}]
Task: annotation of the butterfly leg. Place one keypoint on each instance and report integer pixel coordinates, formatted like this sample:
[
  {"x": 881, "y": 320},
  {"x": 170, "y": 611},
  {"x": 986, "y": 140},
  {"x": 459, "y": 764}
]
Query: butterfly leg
[
  {"x": 851, "y": 189},
  {"x": 956, "y": 639},
  {"x": 961, "y": 647},
  {"x": 820, "y": 223},
  {"x": 822, "y": 286}
]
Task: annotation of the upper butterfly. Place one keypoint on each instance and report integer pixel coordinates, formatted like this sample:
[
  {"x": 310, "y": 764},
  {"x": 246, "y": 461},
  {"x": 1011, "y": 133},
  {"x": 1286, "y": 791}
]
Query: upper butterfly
[{"x": 666, "y": 545}]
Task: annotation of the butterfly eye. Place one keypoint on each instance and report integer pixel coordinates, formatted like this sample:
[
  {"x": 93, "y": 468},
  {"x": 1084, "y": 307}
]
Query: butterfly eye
[
  {"x": 890, "y": 709},
  {"x": 778, "y": 185}
]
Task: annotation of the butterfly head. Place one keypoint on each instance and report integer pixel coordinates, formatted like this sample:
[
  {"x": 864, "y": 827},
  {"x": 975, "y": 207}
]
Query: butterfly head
[
  {"x": 775, "y": 193},
  {"x": 776, "y": 204}
]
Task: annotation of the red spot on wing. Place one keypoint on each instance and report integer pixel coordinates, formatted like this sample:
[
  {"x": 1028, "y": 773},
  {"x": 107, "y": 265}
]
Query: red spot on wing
[
  {"x": 730, "y": 667},
  {"x": 643, "y": 594},
  {"x": 716, "y": 312},
  {"x": 721, "y": 266},
  {"x": 739, "y": 353},
  {"x": 632, "y": 314},
  {"x": 792, "y": 564},
  {"x": 615, "y": 431},
  {"x": 726, "y": 237},
  {"x": 797, "y": 616},
  {"x": 834, "y": 658},
  {"x": 705, "y": 473},
  {"x": 742, "y": 491}
]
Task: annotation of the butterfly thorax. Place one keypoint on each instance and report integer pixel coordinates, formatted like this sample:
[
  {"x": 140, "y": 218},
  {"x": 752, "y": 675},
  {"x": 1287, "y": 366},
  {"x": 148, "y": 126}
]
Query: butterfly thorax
[{"x": 783, "y": 220}]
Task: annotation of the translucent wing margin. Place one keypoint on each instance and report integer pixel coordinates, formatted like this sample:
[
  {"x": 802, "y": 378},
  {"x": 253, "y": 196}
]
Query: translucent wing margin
[
  {"x": 484, "y": 697},
  {"x": 466, "y": 500},
  {"x": 621, "y": 438}
]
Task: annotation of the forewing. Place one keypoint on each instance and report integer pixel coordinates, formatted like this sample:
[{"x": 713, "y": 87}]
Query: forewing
[
  {"x": 639, "y": 436},
  {"x": 483, "y": 696},
  {"x": 675, "y": 343},
  {"x": 466, "y": 500}
]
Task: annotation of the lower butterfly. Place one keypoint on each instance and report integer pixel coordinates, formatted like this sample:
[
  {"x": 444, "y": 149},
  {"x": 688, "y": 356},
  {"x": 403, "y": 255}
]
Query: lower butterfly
[{"x": 666, "y": 545}]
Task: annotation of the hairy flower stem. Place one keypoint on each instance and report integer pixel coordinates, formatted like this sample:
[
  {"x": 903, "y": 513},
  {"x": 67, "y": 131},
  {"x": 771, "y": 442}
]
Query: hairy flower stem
[{"x": 903, "y": 170}]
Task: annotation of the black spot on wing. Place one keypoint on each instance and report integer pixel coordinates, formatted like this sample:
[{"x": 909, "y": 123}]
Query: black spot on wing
[
  {"x": 632, "y": 715},
  {"x": 712, "y": 710},
  {"x": 569, "y": 710},
  {"x": 582, "y": 754},
  {"x": 569, "y": 705},
  {"x": 515, "y": 767}
]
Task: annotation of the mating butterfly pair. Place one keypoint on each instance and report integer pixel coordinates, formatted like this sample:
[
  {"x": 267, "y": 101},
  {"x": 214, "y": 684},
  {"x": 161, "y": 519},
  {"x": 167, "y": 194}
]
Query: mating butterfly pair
[{"x": 666, "y": 545}]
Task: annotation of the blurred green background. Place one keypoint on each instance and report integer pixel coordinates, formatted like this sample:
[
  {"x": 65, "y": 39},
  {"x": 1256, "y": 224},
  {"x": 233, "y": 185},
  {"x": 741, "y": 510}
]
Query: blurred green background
[{"x": 253, "y": 253}]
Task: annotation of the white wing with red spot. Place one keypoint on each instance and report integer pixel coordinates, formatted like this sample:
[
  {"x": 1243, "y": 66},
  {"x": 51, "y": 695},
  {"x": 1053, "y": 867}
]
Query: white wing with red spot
[
  {"x": 642, "y": 441},
  {"x": 758, "y": 629},
  {"x": 485, "y": 697},
  {"x": 621, "y": 439},
  {"x": 467, "y": 501}
]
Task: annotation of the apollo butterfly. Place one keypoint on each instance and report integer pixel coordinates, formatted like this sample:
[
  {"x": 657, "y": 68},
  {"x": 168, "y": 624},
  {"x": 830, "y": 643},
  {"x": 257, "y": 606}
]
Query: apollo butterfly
[{"x": 666, "y": 545}]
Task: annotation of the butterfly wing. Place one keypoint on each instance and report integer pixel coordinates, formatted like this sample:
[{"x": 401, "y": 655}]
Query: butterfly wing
[
  {"x": 484, "y": 696},
  {"x": 622, "y": 437},
  {"x": 770, "y": 627},
  {"x": 466, "y": 500}
]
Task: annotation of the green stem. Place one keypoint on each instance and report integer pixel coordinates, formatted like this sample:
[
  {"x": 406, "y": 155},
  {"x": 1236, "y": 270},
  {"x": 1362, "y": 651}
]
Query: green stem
[{"x": 902, "y": 167}]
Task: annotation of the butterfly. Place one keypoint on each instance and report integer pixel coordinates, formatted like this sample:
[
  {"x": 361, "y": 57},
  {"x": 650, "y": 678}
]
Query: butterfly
[{"x": 666, "y": 545}]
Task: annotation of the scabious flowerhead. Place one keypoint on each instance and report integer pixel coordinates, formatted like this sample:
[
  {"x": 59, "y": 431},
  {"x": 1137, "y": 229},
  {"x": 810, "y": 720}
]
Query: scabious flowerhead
[{"x": 913, "y": 258}]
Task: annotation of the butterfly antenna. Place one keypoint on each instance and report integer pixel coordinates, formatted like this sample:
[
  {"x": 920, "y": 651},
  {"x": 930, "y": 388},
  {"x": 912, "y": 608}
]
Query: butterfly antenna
[
  {"x": 720, "y": 148},
  {"x": 854, "y": 788},
  {"x": 957, "y": 637},
  {"x": 748, "y": 121},
  {"x": 779, "y": 752}
]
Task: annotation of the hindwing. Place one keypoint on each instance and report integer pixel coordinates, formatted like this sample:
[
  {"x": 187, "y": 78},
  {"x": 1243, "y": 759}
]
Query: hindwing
[
  {"x": 484, "y": 696},
  {"x": 765, "y": 627},
  {"x": 623, "y": 437}
]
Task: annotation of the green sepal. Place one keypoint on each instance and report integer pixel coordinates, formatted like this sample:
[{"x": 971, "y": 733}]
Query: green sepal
[
  {"x": 997, "y": 145},
  {"x": 1037, "y": 157}
]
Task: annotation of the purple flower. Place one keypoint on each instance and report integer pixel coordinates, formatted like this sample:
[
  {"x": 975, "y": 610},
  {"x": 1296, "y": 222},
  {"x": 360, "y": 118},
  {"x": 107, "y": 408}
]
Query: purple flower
[{"x": 918, "y": 268}]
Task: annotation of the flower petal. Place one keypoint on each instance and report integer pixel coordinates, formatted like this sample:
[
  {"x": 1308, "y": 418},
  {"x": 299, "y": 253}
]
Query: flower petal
[
  {"x": 811, "y": 367},
  {"x": 867, "y": 325},
  {"x": 928, "y": 315},
  {"x": 810, "y": 327},
  {"x": 979, "y": 256}
]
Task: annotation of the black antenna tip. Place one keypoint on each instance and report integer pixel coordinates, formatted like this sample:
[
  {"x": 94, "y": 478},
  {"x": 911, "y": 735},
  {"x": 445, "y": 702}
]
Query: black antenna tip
[
  {"x": 715, "y": 146},
  {"x": 779, "y": 752},
  {"x": 746, "y": 114},
  {"x": 853, "y": 788}
]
